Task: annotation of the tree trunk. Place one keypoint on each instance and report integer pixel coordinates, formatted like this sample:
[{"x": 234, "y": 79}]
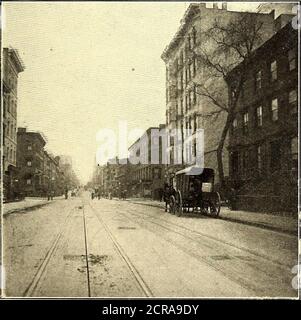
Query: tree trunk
[{"x": 220, "y": 151}]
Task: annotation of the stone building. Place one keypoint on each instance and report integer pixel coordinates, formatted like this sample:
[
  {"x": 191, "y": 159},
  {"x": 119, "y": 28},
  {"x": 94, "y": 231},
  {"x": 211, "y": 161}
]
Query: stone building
[
  {"x": 70, "y": 179},
  {"x": 185, "y": 109},
  {"x": 263, "y": 140},
  {"x": 12, "y": 66},
  {"x": 53, "y": 175},
  {"x": 147, "y": 176}
]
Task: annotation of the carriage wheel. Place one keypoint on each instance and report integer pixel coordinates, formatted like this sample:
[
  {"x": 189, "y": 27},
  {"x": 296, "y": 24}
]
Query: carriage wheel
[
  {"x": 172, "y": 205},
  {"x": 215, "y": 205}
]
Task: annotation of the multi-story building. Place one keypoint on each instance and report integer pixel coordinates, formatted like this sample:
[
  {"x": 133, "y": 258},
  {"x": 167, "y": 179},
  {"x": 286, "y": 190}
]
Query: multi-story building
[
  {"x": 30, "y": 162},
  {"x": 263, "y": 140},
  {"x": 147, "y": 178},
  {"x": 185, "y": 109},
  {"x": 53, "y": 176},
  {"x": 12, "y": 66},
  {"x": 70, "y": 179}
]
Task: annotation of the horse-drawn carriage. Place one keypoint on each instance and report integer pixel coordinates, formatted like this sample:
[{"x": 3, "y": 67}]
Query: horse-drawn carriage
[{"x": 192, "y": 189}]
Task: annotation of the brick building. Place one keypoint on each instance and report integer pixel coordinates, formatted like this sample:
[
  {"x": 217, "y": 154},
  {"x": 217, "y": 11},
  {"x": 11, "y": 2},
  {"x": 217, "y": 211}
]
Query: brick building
[
  {"x": 30, "y": 162},
  {"x": 39, "y": 173},
  {"x": 263, "y": 141},
  {"x": 12, "y": 66},
  {"x": 185, "y": 109}
]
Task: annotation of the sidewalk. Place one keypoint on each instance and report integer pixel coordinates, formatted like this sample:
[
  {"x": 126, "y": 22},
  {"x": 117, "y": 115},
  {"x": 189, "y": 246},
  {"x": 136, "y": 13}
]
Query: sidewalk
[
  {"x": 286, "y": 223},
  {"x": 26, "y": 204}
]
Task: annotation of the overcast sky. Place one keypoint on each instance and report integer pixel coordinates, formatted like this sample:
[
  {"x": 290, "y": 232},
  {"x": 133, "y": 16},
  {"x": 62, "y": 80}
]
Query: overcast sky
[{"x": 88, "y": 66}]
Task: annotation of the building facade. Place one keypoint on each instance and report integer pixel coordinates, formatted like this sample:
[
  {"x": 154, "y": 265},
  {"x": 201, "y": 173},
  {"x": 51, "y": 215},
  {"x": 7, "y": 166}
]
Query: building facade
[
  {"x": 39, "y": 173},
  {"x": 12, "y": 66},
  {"x": 30, "y": 162},
  {"x": 185, "y": 109},
  {"x": 147, "y": 175},
  {"x": 263, "y": 140}
]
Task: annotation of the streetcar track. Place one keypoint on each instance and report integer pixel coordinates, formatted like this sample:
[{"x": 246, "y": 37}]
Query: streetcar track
[
  {"x": 30, "y": 290},
  {"x": 133, "y": 270},
  {"x": 237, "y": 279},
  {"x": 233, "y": 276},
  {"x": 86, "y": 252},
  {"x": 223, "y": 242}
]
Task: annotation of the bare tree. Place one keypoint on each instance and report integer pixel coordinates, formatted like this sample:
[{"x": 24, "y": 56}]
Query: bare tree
[{"x": 224, "y": 46}]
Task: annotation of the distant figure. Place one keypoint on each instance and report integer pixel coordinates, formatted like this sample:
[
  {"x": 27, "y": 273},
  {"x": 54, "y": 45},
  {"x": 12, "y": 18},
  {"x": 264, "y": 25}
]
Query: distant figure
[
  {"x": 50, "y": 195},
  {"x": 232, "y": 199},
  {"x": 168, "y": 191},
  {"x": 66, "y": 193}
]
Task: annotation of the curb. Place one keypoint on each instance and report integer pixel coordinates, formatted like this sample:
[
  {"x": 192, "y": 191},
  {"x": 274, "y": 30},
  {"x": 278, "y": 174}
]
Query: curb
[
  {"x": 244, "y": 222},
  {"x": 35, "y": 207}
]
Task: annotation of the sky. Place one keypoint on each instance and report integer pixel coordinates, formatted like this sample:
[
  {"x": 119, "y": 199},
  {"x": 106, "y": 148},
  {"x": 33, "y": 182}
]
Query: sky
[{"x": 90, "y": 66}]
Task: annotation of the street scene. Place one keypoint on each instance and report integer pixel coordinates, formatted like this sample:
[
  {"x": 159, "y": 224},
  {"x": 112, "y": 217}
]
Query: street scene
[
  {"x": 150, "y": 150},
  {"x": 114, "y": 248}
]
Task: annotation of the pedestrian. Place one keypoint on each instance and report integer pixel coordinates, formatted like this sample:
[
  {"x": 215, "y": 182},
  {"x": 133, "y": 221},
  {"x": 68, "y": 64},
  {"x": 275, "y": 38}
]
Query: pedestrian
[{"x": 66, "y": 193}]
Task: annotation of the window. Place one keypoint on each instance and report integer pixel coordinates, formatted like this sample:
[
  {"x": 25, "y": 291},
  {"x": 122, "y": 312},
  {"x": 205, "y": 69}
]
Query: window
[
  {"x": 259, "y": 158},
  {"x": 294, "y": 153},
  {"x": 292, "y": 59},
  {"x": 4, "y": 107},
  {"x": 182, "y": 59},
  {"x": 29, "y": 148},
  {"x": 275, "y": 155},
  {"x": 292, "y": 100},
  {"x": 194, "y": 148},
  {"x": 189, "y": 42},
  {"x": 181, "y": 85},
  {"x": 259, "y": 116},
  {"x": 191, "y": 97},
  {"x": 258, "y": 78},
  {"x": 275, "y": 109},
  {"x": 195, "y": 122},
  {"x": 181, "y": 103},
  {"x": 28, "y": 181},
  {"x": 190, "y": 123},
  {"x": 246, "y": 122},
  {"x": 28, "y": 163},
  {"x": 186, "y": 76},
  {"x": 234, "y": 124},
  {"x": 186, "y": 103},
  {"x": 194, "y": 94},
  {"x": 274, "y": 70},
  {"x": 245, "y": 158},
  {"x": 235, "y": 162},
  {"x": 194, "y": 65},
  {"x": 190, "y": 70},
  {"x": 194, "y": 35}
]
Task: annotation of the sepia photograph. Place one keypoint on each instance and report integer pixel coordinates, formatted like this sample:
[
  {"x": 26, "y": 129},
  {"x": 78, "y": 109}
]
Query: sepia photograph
[{"x": 150, "y": 150}]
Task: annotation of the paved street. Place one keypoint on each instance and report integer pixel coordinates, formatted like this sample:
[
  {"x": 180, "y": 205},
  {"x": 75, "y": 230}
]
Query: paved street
[{"x": 113, "y": 248}]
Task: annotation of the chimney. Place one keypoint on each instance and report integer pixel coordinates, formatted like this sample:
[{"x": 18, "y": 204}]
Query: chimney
[
  {"x": 224, "y": 5},
  {"x": 21, "y": 129},
  {"x": 215, "y": 5}
]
